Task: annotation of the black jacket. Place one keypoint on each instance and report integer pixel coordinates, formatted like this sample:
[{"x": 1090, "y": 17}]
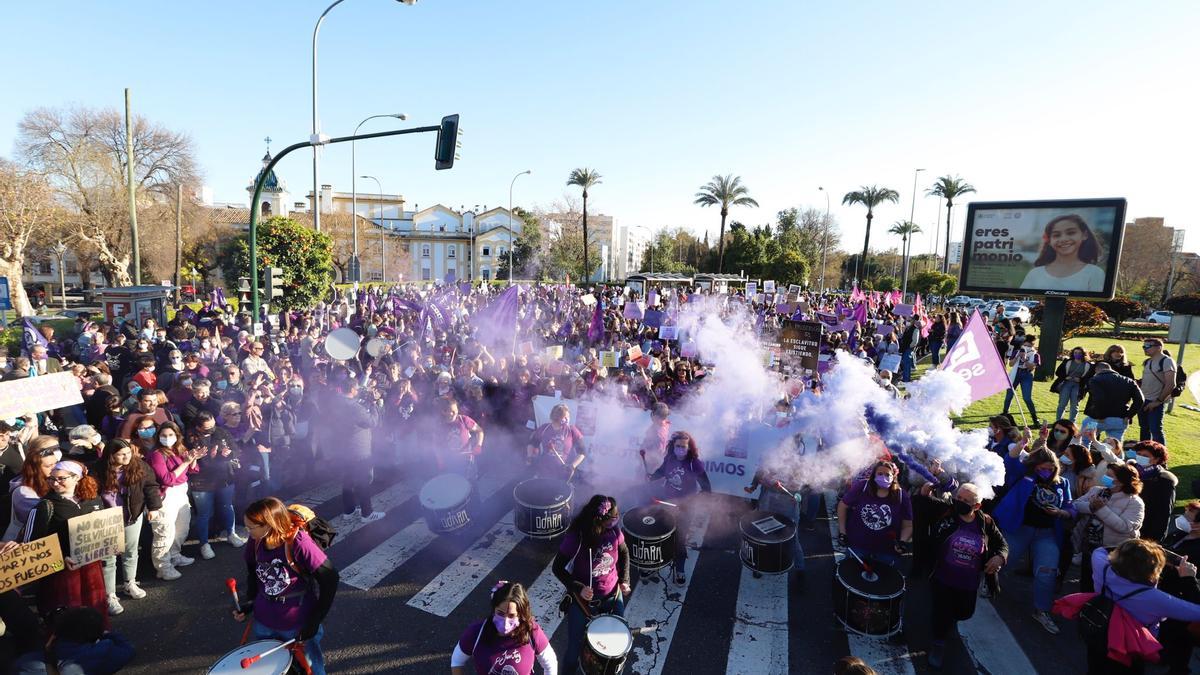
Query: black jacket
[
  {"x": 1112, "y": 395},
  {"x": 948, "y": 524},
  {"x": 145, "y": 496},
  {"x": 50, "y": 516},
  {"x": 1158, "y": 494}
]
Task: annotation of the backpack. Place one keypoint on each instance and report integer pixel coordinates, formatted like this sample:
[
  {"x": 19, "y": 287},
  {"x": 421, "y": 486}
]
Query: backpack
[
  {"x": 1180, "y": 377},
  {"x": 321, "y": 530},
  {"x": 1096, "y": 613}
]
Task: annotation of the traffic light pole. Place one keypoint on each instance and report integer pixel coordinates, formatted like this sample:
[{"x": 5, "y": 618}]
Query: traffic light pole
[{"x": 258, "y": 188}]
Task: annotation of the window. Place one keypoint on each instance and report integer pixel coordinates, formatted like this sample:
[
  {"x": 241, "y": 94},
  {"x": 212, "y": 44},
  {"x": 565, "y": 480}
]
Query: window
[
  {"x": 487, "y": 251},
  {"x": 425, "y": 272},
  {"x": 503, "y": 251},
  {"x": 453, "y": 252},
  {"x": 487, "y": 274},
  {"x": 43, "y": 268},
  {"x": 72, "y": 267},
  {"x": 375, "y": 276},
  {"x": 425, "y": 250}
]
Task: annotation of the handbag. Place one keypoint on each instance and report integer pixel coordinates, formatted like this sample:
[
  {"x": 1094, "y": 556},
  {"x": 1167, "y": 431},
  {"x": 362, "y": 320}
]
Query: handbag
[{"x": 1056, "y": 385}]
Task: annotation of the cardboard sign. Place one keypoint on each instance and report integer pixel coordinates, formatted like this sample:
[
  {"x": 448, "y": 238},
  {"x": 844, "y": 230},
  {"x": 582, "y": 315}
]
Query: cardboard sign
[
  {"x": 794, "y": 289},
  {"x": 38, "y": 394},
  {"x": 768, "y": 287},
  {"x": 668, "y": 332},
  {"x": 97, "y": 535},
  {"x": 554, "y": 352},
  {"x": 634, "y": 353},
  {"x": 890, "y": 362},
  {"x": 30, "y": 562},
  {"x": 689, "y": 350},
  {"x": 902, "y": 310},
  {"x": 634, "y": 310},
  {"x": 751, "y": 288},
  {"x": 588, "y": 299},
  {"x": 527, "y": 348},
  {"x": 801, "y": 343},
  {"x": 645, "y": 361},
  {"x": 609, "y": 359}
]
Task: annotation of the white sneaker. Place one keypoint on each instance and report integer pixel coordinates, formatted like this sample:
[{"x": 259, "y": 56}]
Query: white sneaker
[
  {"x": 168, "y": 573},
  {"x": 375, "y": 515},
  {"x": 206, "y": 552},
  {"x": 1046, "y": 621},
  {"x": 1077, "y": 559},
  {"x": 181, "y": 560},
  {"x": 134, "y": 591},
  {"x": 236, "y": 540},
  {"x": 114, "y": 606}
]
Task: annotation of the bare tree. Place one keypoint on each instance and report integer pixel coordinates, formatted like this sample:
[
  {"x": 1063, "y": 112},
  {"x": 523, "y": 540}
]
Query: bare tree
[
  {"x": 26, "y": 206},
  {"x": 82, "y": 152}
]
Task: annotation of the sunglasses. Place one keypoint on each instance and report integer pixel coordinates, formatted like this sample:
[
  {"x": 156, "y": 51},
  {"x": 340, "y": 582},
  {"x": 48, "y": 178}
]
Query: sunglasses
[{"x": 60, "y": 479}]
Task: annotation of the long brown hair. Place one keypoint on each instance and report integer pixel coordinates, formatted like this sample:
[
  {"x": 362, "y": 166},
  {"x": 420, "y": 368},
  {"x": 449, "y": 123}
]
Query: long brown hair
[
  {"x": 134, "y": 474},
  {"x": 179, "y": 449},
  {"x": 894, "y": 488},
  {"x": 511, "y": 592},
  {"x": 39, "y": 448},
  {"x": 273, "y": 515},
  {"x": 1089, "y": 250}
]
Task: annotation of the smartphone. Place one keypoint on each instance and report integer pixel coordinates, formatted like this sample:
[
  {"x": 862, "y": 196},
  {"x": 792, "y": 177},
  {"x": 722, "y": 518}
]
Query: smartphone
[{"x": 1173, "y": 559}]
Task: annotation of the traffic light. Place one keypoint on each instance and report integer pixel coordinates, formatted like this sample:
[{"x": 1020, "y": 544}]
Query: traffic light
[
  {"x": 274, "y": 283},
  {"x": 448, "y": 143}
]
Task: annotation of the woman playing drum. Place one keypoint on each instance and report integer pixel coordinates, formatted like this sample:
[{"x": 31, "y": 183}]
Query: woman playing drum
[
  {"x": 556, "y": 449},
  {"x": 507, "y": 642},
  {"x": 683, "y": 476},
  {"x": 290, "y": 583},
  {"x": 598, "y": 577},
  {"x": 875, "y": 516},
  {"x": 463, "y": 440}
]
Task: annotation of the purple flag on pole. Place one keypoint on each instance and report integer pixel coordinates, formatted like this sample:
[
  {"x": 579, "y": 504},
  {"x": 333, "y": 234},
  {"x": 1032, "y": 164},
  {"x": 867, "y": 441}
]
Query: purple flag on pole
[
  {"x": 498, "y": 321},
  {"x": 860, "y": 312},
  {"x": 975, "y": 359},
  {"x": 596, "y": 328},
  {"x": 33, "y": 336}
]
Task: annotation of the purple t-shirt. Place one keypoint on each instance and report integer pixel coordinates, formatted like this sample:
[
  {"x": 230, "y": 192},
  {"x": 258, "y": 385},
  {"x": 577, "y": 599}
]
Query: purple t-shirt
[
  {"x": 553, "y": 445},
  {"x": 960, "y": 560},
  {"x": 605, "y": 572},
  {"x": 501, "y": 655},
  {"x": 284, "y": 597},
  {"x": 873, "y": 522},
  {"x": 680, "y": 476}
]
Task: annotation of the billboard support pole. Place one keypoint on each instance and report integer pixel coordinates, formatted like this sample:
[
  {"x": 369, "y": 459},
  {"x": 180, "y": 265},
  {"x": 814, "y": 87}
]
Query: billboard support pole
[{"x": 1054, "y": 310}]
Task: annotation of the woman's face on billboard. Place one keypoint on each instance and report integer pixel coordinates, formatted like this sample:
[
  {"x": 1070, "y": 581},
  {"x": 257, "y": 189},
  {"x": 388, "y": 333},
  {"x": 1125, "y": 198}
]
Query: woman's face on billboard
[{"x": 1066, "y": 238}]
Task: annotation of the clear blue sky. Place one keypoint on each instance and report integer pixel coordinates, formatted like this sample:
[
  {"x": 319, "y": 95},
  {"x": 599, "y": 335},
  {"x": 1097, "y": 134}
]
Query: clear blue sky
[{"x": 1023, "y": 99}]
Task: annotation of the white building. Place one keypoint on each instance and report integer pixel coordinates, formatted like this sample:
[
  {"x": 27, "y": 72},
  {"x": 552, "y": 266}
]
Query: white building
[{"x": 631, "y": 248}]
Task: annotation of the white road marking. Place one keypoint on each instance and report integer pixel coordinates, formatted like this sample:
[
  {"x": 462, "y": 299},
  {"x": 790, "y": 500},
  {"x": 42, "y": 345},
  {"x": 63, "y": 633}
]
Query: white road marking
[
  {"x": 455, "y": 583},
  {"x": 760, "y": 633},
  {"x": 318, "y": 495},
  {"x": 991, "y": 645},
  {"x": 659, "y": 600},
  {"x": 391, "y": 497}
]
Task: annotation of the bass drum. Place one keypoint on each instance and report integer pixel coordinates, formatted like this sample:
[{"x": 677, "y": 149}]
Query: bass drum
[
  {"x": 768, "y": 542},
  {"x": 446, "y": 501},
  {"x": 277, "y": 663},
  {"x": 543, "y": 509},
  {"x": 868, "y": 602},
  {"x": 650, "y": 535},
  {"x": 606, "y": 645}
]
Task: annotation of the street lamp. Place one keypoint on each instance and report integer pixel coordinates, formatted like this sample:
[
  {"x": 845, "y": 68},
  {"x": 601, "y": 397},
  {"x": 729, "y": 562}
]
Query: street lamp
[
  {"x": 355, "y": 263},
  {"x": 60, "y": 250},
  {"x": 824, "y": 239},
  {"x": 512, "y": 242},
  {"x": 317, "y": 139},
  {"x": 906, "y": 242},
  {"x": 382, "y": 242},
  {"x": 195, "y": 284}
]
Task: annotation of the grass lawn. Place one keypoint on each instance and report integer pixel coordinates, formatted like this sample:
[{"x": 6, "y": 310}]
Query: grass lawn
[{"x": 1181, "y": 427}]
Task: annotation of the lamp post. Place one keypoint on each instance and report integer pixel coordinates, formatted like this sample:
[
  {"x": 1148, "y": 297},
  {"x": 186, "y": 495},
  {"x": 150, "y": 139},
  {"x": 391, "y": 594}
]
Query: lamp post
[
  {"x": 512, "y": 242},
  {"x": 382, "y": 241},
  {"x": 316, "y": 139},
  {"x": 195, "y": 284},
  {"x": 60, "y": 250},
  {"x": 824, "y": 239},
  {"x": 906, "y": 242},
  {"x": 355, "y": 263}
]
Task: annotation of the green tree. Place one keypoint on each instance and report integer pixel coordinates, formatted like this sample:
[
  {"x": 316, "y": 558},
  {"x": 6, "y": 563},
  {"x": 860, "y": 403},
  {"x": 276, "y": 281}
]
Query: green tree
[
  {"x": 527, "y": 249},
  {"x": 749, "y": 250},
  {"x": 725, "y": 191},
  {"x": 949, "y": 187},
  {"x": 932, "y": 282},
  {"x": 305, "y": 256},
  {"x": 585, "y": 179},
  {"x": 1079, "y": 316},
  {"x": 887, "y": 283},
  {"x": 1121, "y": 309},
  {"x": 906, "y": 229},
  {"x": 870, "y": 197}
]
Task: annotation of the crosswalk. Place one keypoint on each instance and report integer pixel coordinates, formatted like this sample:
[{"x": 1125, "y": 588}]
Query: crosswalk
[{"x": 445, "y": 577}]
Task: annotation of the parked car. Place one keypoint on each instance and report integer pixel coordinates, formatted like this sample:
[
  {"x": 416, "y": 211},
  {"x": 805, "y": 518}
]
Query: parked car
[
  {"x": 1161, "y": 316},
  {"x": 1016, "y": 310},
  {"x": 960, "y": 301}
]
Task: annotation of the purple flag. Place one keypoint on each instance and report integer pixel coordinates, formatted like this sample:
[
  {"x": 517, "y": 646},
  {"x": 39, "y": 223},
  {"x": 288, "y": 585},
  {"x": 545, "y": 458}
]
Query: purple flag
[
  {"x": 860, "y": 312},
  {"x": 497, "y": 323},
  {"x": 371, "y": 304},
  {"x": 974, "y": 358},
  {"x": 596, "y": 328},
  {"x": 653, "y": 318},
  {"x": 33, "y": 336}
]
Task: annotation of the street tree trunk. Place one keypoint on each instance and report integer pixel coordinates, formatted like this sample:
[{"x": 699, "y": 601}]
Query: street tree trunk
[
  {"x": 587, "y": 270},
  {"x": 866, "y": 245},
  {"x": 946, "y": 260},
  {"x": 721, "y": 243},
  {"x": 20, "y": 301}
]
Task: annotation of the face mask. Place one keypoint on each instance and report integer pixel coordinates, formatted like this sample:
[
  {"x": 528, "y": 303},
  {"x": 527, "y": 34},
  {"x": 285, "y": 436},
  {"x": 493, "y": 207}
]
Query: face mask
[
  {"x": 1059, "y": 434},
  {"x": 134, "y": 389},
  {"x": 186, "y": 384},
  {"x": 1129, "y": 454},
  {"x": 177, "y": 363},
  {"x": 505, "y": 625},
  {"x": 963, "y": 508},
  {"x": 883, "y": 480},
  {"x": 167, "y": 441},
  {"x": 1106, "y": 480},
  {"x": 146, "y": 433},
  {"x": 1182, "y": 523},
  {"x": 222, "y": 384},
  {"x": 680, "y": 453},
  {"x": 1142, "y": 460},
  {"x": 1077, "y": 357},
  {"x": 1045, "y": 474},
  {"x": 1065, "y": 460}
]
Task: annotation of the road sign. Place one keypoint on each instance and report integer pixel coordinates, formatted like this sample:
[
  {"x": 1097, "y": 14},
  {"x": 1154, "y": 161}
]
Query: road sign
[{"x": 5, "y": 300}]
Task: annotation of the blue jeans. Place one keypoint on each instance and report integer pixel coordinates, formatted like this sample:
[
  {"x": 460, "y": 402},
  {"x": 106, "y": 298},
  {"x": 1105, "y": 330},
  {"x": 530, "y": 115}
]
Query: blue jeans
[
  {"x": 1025, "y": 381},
  {"x": 1150, "y": 422},
  {"x": 906, "y": 366},
  {"x": 1068, "y": 395},
  {"x": 266, "y": 488},
  {"x": 129, "y": 559},
  {"x": 577, "y": 628},
  {"x": 312, "y": 648},
  {"x": 935, "y": 352},
  {"x": 1111, "y": 426},
  {"x": 207, "y": 502},
  {"x": 1042, "y": 546}
]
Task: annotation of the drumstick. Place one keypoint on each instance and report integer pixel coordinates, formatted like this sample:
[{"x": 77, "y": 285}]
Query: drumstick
[
  {"x": 251, "y": 660},
  {"x": 649, "y": 628},
  {"x": 862, "y": 562},
  {"x": 780, "y": 486},
  {"x": 232, "y": 584},
  {"x": 659, "y": 501}
]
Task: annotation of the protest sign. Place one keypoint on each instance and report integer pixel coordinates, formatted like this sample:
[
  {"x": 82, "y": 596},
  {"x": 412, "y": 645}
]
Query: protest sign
[
  {"x": 634, "y": 353},
  {"x": 30, "y": 562},
  {"x": 38, "y": 394},
  {"x": 751, "y": 288},
  {"x": 554, "y": 352},
  {"x": 588, "y": 299},
  {"x": 768, "y": 287},
  {"x": 634, "y": 310},
  {"x": 794, "y": 289},
  {"x": 668, "y": 332},
  {"x": 884, "y": 330},
  {"x": 609, "y": 359},
  {"x": 801, "y": 343},
  {"x": 644, "y": 361},
  {"x": 902, "y": 310},
  {"x": 527, "y": 348},
  {"x": 97, "y": 535},
  {"x": 689, "y": 351},
  {"x": 890, "y": 362},
  {"x": 653, "y": 318}
]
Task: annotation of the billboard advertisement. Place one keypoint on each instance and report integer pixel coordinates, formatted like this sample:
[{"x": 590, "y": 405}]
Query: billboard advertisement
[{"x": 1060, "y": 247}]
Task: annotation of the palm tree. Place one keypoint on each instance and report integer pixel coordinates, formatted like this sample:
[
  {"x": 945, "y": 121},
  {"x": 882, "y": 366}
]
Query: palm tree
[
  {"x": 906, "y": 229},
  {"x": 949, "y": 187},
  {"x": 727, "y": 191},
  {"x": 870, "y": 197},
  {"x": 586, "y": 179}
]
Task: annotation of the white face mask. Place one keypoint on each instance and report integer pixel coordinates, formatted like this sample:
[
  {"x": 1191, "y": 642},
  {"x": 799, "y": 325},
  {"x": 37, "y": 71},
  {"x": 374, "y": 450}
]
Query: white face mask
[
  {"x": 1182, "y": 523},
  {"x": 167, "y": 440}
]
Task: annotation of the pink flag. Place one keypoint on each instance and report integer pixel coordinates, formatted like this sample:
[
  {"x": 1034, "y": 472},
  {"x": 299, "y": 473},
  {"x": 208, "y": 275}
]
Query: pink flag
[
  {"x": 974, "y": 358},
  {"x": 857, "y": 295},
  {"x": 918, "y": 307}
]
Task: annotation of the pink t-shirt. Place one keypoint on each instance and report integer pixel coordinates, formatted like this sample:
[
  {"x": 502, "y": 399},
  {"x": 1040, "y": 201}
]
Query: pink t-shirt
[
  {"x": 495, "y": 654},
  {"x": 605, "y": 568}
]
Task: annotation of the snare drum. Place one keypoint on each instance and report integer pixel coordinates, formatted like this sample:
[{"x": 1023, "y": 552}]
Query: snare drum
[
  {"x": 446, "y": 500},
  {"x": 543, "y": 507},
  {"x": 868, "y": 603},
  {"x": 606, "y": 644},
  {"x": 768, "y": 542},
  {"x": 650, "y": 535},
  {"x": 277, "y": 663}
]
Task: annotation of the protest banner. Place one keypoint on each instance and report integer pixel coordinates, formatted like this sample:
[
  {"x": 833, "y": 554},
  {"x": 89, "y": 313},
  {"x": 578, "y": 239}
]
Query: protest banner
[
  {"x": 902, "y": 310},
  {"x": 668, "y": 332},
  {"x": 801, "y": 344},
  {"x": 30, "y": 562},
  {"x": 38, "y": 394},
  {"x": 97, "y": 535},
  {"x": 634, "y": 310},
  {"x": 751, "y": 288},
  {"x": 609, "y": 359},
  {"x": 890, "y": 362},
  {"x": 554, "y": 352},
  {"x": 588, "y": 300},
  {"x": 794, "y": 289}
]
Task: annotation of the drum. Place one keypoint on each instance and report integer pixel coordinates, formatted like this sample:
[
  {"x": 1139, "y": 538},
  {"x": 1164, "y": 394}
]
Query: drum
[
  {"x": 446, "y": 501},
  {"x": 277, "y": 663},
  {"x": 650, "y": 536},
  {"x": 768, "y": 542},
  {"x": 342, "y": 344},
  {"x": 868, "y": 602},
  {"x": 543, "y": 507},
  {"x": 606, "y": 644}
]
